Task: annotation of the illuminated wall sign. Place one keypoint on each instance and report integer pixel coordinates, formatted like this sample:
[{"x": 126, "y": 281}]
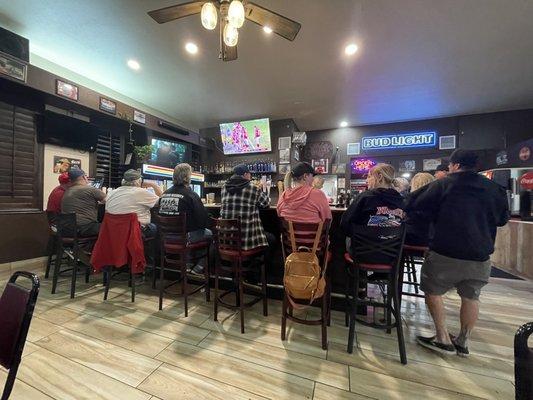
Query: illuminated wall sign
[
  {"x": 361, "y": 165},
  {"x": 403, "y": 141}
]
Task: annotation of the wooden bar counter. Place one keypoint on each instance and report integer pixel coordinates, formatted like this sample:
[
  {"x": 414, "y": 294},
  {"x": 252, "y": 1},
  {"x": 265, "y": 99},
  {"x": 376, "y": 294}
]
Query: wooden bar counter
[{"x": 514, "y": 248}]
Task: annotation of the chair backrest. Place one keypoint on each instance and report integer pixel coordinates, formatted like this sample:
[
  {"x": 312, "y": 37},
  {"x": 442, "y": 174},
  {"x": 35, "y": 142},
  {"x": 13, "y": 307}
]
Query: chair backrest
[
  {"x": 377, "y": 244},
  {"x": 66, "y": 225},
  {"x": 173, "y": 227},
  {"x": 16, "y": 309},
  {"x": 227, "y": 234},
  {"x": 523, "y": 363},
  {"x": 304, "y": 235}
]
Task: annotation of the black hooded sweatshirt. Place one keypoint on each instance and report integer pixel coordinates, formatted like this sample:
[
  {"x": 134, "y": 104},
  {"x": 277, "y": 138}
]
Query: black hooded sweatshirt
[
  {"x": 465, "y": 209},
  {"x": 379, "y": 207}
]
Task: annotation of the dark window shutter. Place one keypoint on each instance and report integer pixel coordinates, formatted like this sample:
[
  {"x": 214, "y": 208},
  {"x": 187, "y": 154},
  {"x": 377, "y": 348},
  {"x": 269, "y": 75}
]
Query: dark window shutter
[
  {"x": 108, "y": 153},
  {"x": 18, "y": 162}
]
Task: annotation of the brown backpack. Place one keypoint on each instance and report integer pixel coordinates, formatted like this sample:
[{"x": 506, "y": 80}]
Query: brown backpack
[{"x": 303, "y": 278}]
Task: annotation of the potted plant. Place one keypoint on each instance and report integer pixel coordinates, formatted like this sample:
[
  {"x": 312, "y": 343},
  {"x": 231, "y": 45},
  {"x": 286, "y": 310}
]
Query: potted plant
[{"x": 143, "y": 153}]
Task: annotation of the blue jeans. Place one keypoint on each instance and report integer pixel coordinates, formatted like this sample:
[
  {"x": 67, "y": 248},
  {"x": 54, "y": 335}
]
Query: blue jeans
[
  {"x": 149, "y": 231},
  {"x": 197, "y": 236}
]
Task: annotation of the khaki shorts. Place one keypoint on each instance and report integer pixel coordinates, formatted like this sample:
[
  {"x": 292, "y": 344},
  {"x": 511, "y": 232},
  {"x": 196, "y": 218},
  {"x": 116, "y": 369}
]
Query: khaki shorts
[{"x": 441, "y": 273}]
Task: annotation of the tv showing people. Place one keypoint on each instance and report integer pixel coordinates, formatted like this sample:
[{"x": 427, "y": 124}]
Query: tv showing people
[
  {"x": 246, "y": 136},
  {"x": 167, "y": 154}
]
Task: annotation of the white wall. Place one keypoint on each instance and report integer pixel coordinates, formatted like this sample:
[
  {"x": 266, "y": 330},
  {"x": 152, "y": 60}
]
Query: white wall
[{"x": 49, "y": 177}]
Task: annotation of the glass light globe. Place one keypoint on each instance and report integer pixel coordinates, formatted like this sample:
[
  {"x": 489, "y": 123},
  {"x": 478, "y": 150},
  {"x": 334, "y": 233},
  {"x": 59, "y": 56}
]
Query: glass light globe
[
  {"x": 231, "y": 35},
  {"x": 236, "y": 13},
  {"x": 209, "y": 16}
]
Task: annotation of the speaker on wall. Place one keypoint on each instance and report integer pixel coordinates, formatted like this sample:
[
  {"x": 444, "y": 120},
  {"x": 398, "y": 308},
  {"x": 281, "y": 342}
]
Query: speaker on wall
[{"x": 14, "y": 45}]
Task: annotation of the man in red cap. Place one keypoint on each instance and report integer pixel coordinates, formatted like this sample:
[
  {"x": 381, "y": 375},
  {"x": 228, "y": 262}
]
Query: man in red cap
[{"x": 54, "y": 200}]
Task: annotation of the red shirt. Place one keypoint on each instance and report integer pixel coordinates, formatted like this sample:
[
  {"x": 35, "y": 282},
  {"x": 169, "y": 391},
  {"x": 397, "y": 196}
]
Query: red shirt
[{"x": 54, "y": 200}]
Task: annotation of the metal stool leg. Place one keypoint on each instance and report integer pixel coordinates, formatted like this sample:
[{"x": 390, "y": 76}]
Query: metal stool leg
[{"x": 353, "y": 309}]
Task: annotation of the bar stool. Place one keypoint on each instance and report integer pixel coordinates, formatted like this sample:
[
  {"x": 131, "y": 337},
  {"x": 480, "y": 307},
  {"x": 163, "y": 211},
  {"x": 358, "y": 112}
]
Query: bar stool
[
  {"x": 52, "y": 241},
  {"x": 68, "y": 240},
  {"x": 410, "y": 255},
  {"x": 228, "y": 242},
  {"x": 304, "y": 236},
  {"x": 378, "y": 250},
  {"x": 175, "y": 251}
]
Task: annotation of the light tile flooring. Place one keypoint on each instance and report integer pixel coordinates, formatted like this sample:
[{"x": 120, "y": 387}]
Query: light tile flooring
[{"x": 90, "y": 349}]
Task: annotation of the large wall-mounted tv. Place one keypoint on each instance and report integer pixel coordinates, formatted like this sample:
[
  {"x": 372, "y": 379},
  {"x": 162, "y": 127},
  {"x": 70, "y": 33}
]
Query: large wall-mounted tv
[
  {"x": 246, "y": 136},
  {"x": 168, "y": 154},
  {"x": 62, "y": 130}
]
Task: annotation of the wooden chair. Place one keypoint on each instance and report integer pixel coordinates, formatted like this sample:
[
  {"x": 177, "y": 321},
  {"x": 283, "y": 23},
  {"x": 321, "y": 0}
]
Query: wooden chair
[
  {"x": 523, "y": 356},
  {"x": 116, "y": 248},
  {"x": 228, "y": 243},
  {"x": 68, "y": 240},
  {"x": 304, "y": 235},
  {"x": 176, "y": 251},
  {"x": 16, "y": 310},
  {"x": 378, "y": 250}
]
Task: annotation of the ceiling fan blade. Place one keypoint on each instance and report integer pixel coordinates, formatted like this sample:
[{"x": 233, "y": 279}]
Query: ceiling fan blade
[
  {"x": 175, "y": 12},
  {"x": 281, "y": 25}
]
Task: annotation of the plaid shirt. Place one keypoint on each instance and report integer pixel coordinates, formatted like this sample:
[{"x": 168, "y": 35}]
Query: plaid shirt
[{"x": 244, "y": 205}]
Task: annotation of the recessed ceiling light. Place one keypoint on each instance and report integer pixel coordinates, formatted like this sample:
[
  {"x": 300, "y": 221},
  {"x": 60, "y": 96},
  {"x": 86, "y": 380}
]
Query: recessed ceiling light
[
  {"x": 343, "y": 124},
  {"x": 191, "y": 48},
  {"x": 267, "y": 29},
  {"x": 134, "y": 65},
  {"x": 351, "y": 49}
]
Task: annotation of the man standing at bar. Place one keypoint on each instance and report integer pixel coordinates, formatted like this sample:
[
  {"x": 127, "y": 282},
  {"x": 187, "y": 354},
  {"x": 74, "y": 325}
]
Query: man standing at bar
[
  {"x": 242, "y": 200},
  {"x": 465, "y": 209}
]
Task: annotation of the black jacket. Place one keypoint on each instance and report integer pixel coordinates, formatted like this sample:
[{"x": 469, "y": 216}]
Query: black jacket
[
  {"x": 417, "y": 225},
  {"x": 183, "y": 199},
  {"x": 465, "y": 209},
  {"x": 373, "y": 207}
]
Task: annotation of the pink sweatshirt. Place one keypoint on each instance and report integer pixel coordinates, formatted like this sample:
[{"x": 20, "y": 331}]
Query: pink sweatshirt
[{"x": 304, "y": 204}]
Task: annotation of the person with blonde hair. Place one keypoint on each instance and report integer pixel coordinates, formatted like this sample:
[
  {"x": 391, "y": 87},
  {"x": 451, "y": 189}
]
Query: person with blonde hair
[
  {"x": 380, "y": 205},
  {"x": 417, "y": 223}
]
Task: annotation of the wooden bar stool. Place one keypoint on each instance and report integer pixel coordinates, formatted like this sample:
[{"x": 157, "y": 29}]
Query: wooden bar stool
[
  {"x": 410, "y": 255},
  {"x": 70, "y": 243},
  {"x": 176, "y": 251},
  {"x": 228, "y": 242},
  {"x": 304, "y": 236},
  {"x": 378, "y": 250},
  {"x": 52, "y": 241}
]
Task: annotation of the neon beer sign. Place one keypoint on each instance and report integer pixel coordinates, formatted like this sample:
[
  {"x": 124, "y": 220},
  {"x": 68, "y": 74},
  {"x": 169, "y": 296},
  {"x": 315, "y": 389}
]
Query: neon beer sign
[
  {"x": 403, "y": 141},
  {"x": 361, "y": 165}
]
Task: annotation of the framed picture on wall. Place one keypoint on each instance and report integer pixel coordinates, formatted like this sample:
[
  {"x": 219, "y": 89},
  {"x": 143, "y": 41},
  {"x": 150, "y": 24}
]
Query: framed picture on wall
[
  {"x": 284, "y": 156},
  {"x": 108, "y": 106},
  {"x": 13, "y": 68},
  {"x": 320, "y": 165},
  {"x": 139, "y": 117},
  {"x": 67, "y": 90},
  {"x": 284, "y": 142}
]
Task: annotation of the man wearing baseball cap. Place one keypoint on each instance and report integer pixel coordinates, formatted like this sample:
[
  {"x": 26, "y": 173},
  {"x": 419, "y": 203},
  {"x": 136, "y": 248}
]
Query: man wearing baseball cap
[
  {"x": 133, "y": 197},
  {"x": 56, "y": 195},
  {"x": 465, "y": 208},
  {"x": 82, "y": 199}
]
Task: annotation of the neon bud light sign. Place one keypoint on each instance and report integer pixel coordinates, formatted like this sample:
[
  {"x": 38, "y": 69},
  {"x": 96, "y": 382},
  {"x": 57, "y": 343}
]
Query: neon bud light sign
[{"x": 403, "y": 141}]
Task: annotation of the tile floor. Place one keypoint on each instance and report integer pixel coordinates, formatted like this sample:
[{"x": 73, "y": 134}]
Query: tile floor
[{"x": 86, "y": 348}]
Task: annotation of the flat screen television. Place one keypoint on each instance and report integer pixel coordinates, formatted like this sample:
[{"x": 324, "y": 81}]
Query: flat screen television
[
  {"x": 246, "y": 136},
  {"x": 66, "y": 131},
  {"x": 168, "y": 154}
]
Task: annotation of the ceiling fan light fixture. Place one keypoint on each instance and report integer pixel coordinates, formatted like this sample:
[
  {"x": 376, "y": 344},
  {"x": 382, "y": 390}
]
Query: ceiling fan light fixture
[
  {"x": 230, "y": 35},
  {"x": 209, "y": 16},
  {"x": 236, "y": 13}
]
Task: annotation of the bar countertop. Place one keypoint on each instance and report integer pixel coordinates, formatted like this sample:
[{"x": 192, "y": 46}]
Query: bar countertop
[{"x": 273, "y": 207}]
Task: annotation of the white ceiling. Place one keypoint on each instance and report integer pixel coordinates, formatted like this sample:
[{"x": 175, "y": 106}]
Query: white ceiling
[{"x": 417, "y": 59}]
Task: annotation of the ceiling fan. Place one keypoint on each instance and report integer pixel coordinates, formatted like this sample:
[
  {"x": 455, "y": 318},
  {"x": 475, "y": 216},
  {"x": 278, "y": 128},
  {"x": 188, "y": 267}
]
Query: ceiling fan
[{"x": 231, "y": 15}]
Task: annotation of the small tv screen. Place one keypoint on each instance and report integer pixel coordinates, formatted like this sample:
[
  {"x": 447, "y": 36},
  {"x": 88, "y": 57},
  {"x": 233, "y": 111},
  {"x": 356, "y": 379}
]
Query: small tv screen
[
  {"x": 167, "y": 154},
  {"x": 246, "y": 136}
]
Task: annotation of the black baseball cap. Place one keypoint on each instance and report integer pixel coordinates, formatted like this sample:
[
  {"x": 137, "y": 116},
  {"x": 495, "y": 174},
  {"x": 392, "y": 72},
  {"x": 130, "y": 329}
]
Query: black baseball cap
[
  {"x": 240, "y": 169},
  {"x": 465, "y": 158},
  {"x": 302, "y": 168}
]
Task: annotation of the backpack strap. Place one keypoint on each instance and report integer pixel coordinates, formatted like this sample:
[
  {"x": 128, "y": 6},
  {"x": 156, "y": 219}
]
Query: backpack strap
[{"x": 293, "y": 239}]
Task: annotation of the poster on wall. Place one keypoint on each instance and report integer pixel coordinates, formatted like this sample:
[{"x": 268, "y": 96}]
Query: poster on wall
[
  {"x": 63, "y": 164},
  {"x": 285, "y": 156},
  {"x": 431, "y": 164},
  {"x": 320, "y": 165},
  {"x": 284, "y": 142},
  {"x": 67, "y": 90},
  {"x": 407, "y": 165}
]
